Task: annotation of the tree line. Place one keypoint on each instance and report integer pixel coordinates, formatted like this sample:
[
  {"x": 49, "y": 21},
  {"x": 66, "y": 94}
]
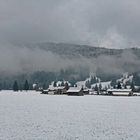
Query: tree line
[{"x": 17, "y": 87}]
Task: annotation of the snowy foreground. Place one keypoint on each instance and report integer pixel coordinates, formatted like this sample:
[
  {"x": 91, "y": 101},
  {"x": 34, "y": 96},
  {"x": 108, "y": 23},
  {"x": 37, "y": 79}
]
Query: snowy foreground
[{"x": 34, "y": 116}]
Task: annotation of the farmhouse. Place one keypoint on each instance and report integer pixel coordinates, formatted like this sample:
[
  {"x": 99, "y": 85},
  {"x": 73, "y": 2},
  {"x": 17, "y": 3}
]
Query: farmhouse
[
  {"x": 74, "y": 91},
  {"x": 86, "y": 91},
  {"x": 120, "y": 92},
  {"x": 57, "y": 90},
  {"x": 44, "y": 92}
]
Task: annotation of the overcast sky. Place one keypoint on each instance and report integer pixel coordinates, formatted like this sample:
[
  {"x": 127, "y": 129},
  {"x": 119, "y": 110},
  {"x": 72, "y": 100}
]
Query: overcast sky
[{"x": 106, "y": 23}]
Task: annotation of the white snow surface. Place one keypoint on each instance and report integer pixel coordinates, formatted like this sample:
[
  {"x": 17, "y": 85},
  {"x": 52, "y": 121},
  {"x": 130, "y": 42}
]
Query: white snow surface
[{"x": 34, "y": 116}]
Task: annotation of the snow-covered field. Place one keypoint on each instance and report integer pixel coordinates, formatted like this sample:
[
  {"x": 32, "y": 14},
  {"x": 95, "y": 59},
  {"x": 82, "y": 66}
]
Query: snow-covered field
[{"x": 34, "y": 116}]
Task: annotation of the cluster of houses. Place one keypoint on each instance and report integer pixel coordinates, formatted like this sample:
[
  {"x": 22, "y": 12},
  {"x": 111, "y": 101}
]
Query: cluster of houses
[
  {"x": 60, "y": 88},
  {"x": 65, "y": 88}
]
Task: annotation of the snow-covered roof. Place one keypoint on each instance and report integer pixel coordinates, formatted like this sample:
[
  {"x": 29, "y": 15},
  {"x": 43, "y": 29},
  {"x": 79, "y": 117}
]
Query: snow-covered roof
[
  {"x": 56, "y": 88},
  {"x": 86, "y": 89},
  {"x": 120, "y": 90},
  {"x": 46, "y": 90},
  {"x": 74, "y": 89}
]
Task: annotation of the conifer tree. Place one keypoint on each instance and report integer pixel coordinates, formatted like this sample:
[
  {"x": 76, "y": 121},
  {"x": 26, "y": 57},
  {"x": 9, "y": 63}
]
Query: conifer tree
[
  {"x": 132, "y": 86},
  {"x": 15, "y": 86},
  {"x": 54, "y": 84},
  {"x": 44, "y": 86},
  {"x": 87, "y": 84},
  {"x": 100, "y": 86},
  {"x": 96, "y": 88},
  {"x": 62, "y": 83},
  {"x": 26, "y": 85},
  {"x": 125, "y": 86},
  {"x": 93, "y": 80},
  {"x": 66, "y": 86},
  {"x": 0, "y": 86},
  {"x": 106, "y": 88},
  {"x": 119, "y": 85}
]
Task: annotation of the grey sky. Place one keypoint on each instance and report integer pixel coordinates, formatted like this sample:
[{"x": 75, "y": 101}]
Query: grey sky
[{"x": 109, "y": 23}]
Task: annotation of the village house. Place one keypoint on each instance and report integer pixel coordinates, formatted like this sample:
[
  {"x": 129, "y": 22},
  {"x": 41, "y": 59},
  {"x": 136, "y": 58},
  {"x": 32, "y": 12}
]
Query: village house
[
  {"x": 74, "y": 91},
  {"x": 86, "y": 91},
  {"x": 57, "y": 90},
  {"x": 120, "y": 92},
  {"x": 59, "y": 87},
  {"x": 44, "y": 91}
]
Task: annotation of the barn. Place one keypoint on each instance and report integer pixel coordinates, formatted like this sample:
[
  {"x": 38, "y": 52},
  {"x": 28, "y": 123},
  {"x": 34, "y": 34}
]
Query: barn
[
  {"x": 44, "y": 92},
  {"x": 57, "y": 90},
  {"x": 120, "y": 92},
  {"x": 74, "y": 91}
]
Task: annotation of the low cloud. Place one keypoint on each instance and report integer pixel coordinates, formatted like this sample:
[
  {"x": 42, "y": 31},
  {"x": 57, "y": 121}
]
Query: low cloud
[{"x": 17, "y": 60}]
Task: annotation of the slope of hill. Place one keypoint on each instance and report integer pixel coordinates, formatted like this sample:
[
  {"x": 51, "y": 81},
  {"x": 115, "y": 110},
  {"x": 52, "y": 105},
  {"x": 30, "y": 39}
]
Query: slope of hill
[{"x": 73, "y": 50}]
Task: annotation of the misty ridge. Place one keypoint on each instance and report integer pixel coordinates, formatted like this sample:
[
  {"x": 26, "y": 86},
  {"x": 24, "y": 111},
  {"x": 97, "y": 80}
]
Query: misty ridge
[{"x": 19, "y": 59}]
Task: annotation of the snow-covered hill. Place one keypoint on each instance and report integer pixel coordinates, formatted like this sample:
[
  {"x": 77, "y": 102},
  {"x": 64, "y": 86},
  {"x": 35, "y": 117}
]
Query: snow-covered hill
[
  {"x": 88, "y": 81},
  {"x": 92, "y": 81},
  {"x": 125, "y": 78}
]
